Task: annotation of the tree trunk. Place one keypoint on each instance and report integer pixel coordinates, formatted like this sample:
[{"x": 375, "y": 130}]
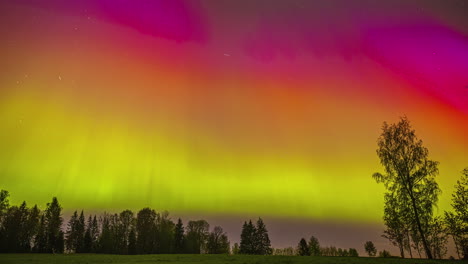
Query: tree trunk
[
  {"x": 418, "y": 222},
  {"x": 456, "y": 246},
  {"x": 409, "y": 243},
  {"x": 402, "y": 250}
]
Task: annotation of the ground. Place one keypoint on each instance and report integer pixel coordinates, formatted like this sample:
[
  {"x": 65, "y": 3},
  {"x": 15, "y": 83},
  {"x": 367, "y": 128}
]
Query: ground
[{"x": 181, "y": 259}]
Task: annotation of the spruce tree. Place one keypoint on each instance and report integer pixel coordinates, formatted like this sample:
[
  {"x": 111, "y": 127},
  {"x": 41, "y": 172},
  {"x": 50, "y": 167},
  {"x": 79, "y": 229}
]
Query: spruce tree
[
  {"x": 262, "y": 240},
  {"x": 88, "y": 239},
  {"x": 247, "y": 243},
  {"x": 94, "y": 230},
  {"x": 71, "y": 235},
  {"x": 53, "y": 220},
  {"x": 80, "y": 233},
  {"x": 179, "y": 237},
  {"x": 40, "y": 241}
]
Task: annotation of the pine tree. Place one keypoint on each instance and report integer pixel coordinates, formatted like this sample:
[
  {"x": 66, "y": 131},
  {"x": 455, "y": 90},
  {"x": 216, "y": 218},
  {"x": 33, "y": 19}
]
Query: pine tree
[
  {"x": 71, "y": 234},
  {"x": 94, "y": 230},
  {"x": 32, "y": 226},
  {"x": 53, "y": 220},
  {"x": 88, "y": 239},
  {"x": 80, "y": 233},
  {"x": 262, "y": 241},
  {"x": 247, "y": 243},
  {"x": 179, "y": 237},
  {"x": 40, "y": 241}
]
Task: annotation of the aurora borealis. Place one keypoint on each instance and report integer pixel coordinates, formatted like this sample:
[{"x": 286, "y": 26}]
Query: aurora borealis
[{"x": 267, "y": 108}]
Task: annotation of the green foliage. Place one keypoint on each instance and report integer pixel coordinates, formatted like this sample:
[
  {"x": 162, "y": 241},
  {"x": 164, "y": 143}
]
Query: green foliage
[
  {"x": 437, "y": 238},
  {"x": 409, "y": 179},
  {"x": 314, "y": 246},
  {"x": 370, "y": 248},
  {"x": 457, "y": 221}
]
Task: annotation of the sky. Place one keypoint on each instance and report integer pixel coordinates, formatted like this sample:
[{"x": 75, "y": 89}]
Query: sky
[{"x": 228, "y": 110}]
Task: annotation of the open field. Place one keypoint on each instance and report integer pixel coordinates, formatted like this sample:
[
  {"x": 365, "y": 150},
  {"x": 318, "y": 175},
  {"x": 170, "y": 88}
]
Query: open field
[{"x": 180, "y": 259}]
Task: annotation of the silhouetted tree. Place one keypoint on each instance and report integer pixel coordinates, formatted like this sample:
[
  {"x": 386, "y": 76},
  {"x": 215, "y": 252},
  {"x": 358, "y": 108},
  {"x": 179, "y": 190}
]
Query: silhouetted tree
[
  {"x": 165, "y": 232},
  {"x": 395, "y": 219},
  {"x": 16, "y": 237},
  {"x": 353, "y": 252},
  {"x": 437, "y": 238},
  {"x": 217, "y": 242},
  {"x": 71, "y": 233},
  {"x": 94, "y": 231},
  {"x": 146, "y": 231},
  {"x": 370, "y": 248},
  {"x": 197, "y": 233},
  {"x": 4, "y": 203},
  {"x": 40, "y": 241},
  {"x": 88, "y": 241},
  {"x": 53, "y": 220},
  {"x": 410, "y": 174},
  {"x": 262, "y": 243},
  {"x": 303, "y": 248},
  {"x": 314, "y": 246},
  {"x": 122, "y": 224},
  {"x": 81, "y": 227},
  {"x": 247, "y": 242},
  {"x": 179, "y": 237},
  {"x": 132, "y": 246},
  {"x": 106, "y": 243},
  {"x": 32, "y": 227}
]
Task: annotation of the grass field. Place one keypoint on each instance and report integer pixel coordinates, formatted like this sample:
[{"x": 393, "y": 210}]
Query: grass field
[{"x": 180, "y": 259}]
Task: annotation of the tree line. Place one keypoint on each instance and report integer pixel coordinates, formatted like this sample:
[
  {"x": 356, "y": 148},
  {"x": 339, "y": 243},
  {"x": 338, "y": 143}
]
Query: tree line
[
  {"x": 313, "y": 248},
  {"x": 24, "y": 230},
  {"x": 412, "y": 194}
]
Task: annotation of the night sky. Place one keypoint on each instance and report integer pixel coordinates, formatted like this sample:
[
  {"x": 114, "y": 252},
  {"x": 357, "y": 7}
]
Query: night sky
[{"x": 227, "y": 110}]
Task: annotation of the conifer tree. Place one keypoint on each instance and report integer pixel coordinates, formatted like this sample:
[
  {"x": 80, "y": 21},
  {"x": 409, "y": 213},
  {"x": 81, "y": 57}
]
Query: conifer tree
[
  {"x": 53, "y": 220},
  {"x": 179, "y": 237},
  {"x": 262, "y": 241},
  {"x": 247, "y": 243}
]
